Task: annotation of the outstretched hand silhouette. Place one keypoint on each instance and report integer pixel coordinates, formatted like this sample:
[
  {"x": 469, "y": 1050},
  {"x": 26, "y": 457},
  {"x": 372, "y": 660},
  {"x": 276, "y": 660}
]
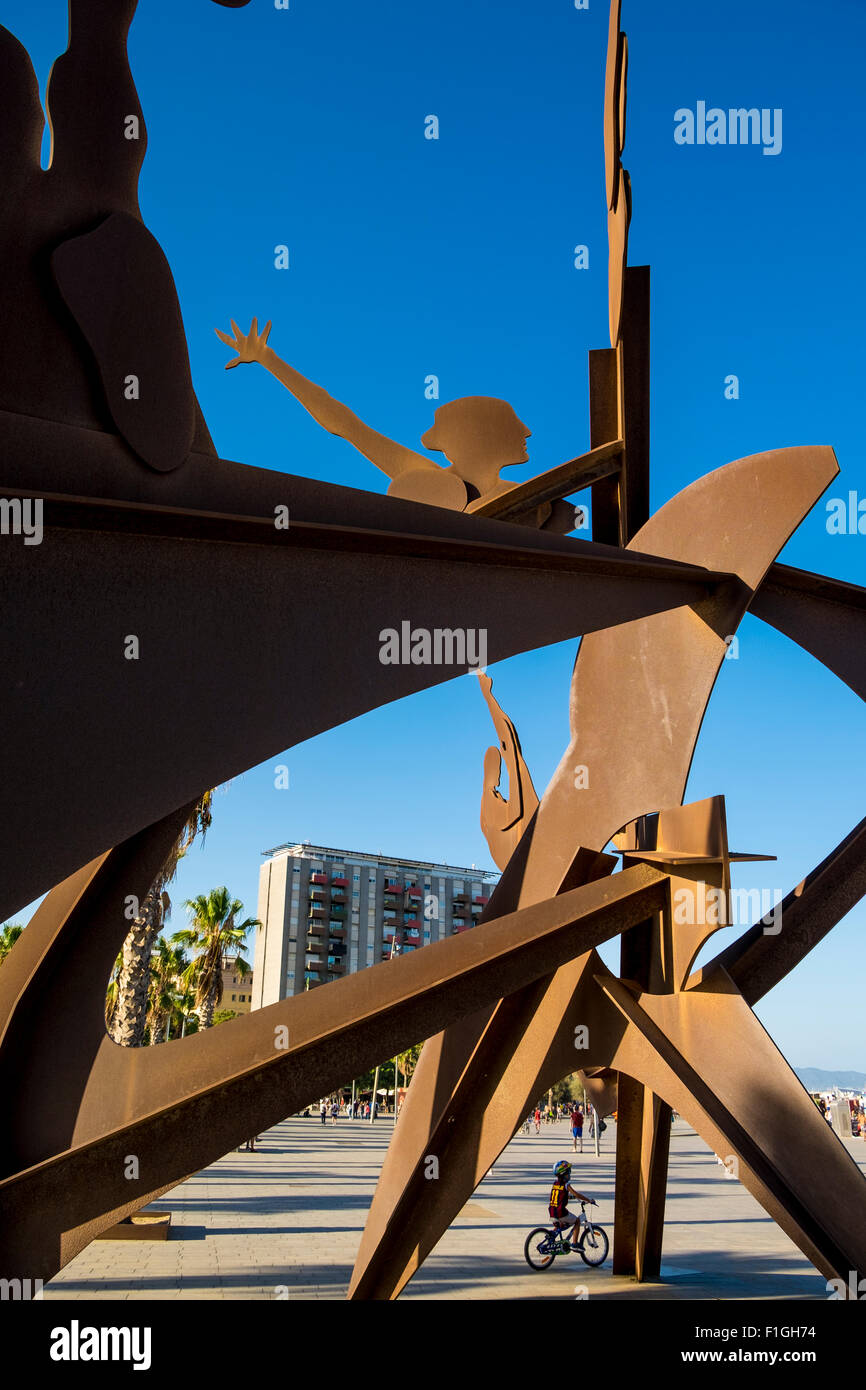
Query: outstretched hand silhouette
[{"x": 249, "y": 346}]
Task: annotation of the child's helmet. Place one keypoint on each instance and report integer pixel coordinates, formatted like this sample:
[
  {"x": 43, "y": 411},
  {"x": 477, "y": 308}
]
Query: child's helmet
[{"x": 562, "y": 1169}]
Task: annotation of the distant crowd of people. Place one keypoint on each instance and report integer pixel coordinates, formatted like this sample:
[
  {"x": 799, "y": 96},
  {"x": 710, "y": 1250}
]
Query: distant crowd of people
[
  {"x": 856, "y": 1112},
  {"x": 568, "y": 1110},
  {"x": 349, "y": 1110}
]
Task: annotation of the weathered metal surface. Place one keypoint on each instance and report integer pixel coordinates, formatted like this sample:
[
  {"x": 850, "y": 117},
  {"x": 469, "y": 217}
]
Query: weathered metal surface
[
  {"x": 504, "y": 821},
  {"x": 98, "y": 143},
  {"x": 522, "y": 500},
  {"x": 605, "y": 423},
  {"x": 826, "y": 616},
  {"x": 141, "y": 352},
  {"x": 761, "y": 959},
  {"x": 745, "y": 1101},
  {"x": 89, "y": 766},
  {"x": 635, "y": 369}
]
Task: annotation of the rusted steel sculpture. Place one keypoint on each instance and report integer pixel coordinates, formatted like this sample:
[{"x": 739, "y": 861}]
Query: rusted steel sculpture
[
  {"x": 504, "y": 820},
  {"x": 638, "y": 697},
  {"x": 95, "y": 787}
]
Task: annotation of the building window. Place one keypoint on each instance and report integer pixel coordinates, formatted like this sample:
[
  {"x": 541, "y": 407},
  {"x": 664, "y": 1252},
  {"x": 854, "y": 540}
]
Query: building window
[{"x": 234, "y": 1001}]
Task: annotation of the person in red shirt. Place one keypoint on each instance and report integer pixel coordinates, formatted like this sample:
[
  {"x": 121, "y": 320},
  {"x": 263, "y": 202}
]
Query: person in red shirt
[
  {"x": 537, "y": 1120},
  {"x": 576, "y": 1128}
]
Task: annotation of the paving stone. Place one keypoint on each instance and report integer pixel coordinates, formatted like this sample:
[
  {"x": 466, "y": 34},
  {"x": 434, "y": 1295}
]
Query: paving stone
[{"x": 291, "y": 1215}]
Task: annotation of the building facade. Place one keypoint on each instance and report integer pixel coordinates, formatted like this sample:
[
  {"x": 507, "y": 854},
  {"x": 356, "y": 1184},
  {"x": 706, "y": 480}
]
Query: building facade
[
  {"x": 237, "y": 988},
  {"x": 326, "y": 913}
]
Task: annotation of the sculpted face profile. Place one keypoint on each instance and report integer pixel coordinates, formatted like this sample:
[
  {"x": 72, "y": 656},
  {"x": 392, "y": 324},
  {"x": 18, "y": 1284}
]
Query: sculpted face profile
[{"x": 479, "y": 436}]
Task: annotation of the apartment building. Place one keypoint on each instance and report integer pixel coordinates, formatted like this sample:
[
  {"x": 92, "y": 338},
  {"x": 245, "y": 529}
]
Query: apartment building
[
  {"x": 327, "y": 912},
  {"x": 237, "y": 988}
]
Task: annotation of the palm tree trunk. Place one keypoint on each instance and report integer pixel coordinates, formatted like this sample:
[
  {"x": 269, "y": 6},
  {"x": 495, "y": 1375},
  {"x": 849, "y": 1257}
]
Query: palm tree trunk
[
  {"x": 131, "y": 1013},
  {"x": 208, "y": 1008}
]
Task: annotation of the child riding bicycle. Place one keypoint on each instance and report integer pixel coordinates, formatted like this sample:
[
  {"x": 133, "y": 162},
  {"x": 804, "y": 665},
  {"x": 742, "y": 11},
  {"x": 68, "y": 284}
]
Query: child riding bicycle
[{"x": 558, "y": 1205}]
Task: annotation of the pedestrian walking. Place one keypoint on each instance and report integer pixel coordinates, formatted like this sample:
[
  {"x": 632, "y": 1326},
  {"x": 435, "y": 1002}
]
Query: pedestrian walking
[
  {"x": 576, "y": 1128},
  {"x": 323, "y": 1112},
  {"x": 537, "y": 1120}
]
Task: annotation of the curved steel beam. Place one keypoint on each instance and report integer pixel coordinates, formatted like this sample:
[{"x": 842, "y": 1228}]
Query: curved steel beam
[
  {"x": 131, "y": 599},
  {"x": 827, "y": 617}
]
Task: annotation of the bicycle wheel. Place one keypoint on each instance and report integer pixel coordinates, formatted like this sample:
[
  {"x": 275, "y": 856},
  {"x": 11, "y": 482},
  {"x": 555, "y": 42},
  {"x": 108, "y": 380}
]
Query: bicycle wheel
[
  {"x": 537, "y": 1249},
  {"x": 595, "y": 1238}
]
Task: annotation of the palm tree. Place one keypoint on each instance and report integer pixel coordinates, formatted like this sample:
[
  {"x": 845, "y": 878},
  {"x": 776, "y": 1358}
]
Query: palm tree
[
  {"x": 184, "y": 1008},
  {"x": 130, "y": 1015},
  {"x": 214, "y": 934},
  {"x": 9, "y": 934},
  {"x": 166, "y": 966},
  {"x": 111, "y": 994}
]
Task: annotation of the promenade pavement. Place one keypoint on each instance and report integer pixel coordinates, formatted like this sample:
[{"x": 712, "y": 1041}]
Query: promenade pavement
[{"x": 285, "y": 1222}]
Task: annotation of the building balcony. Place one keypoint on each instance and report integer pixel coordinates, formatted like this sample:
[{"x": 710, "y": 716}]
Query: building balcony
[
  {"x": 319, "y": 878},
  {"x": 338, "y": 930},
  {"x": 335, "y": 967},
  {"x": 482, "y": 901},
  {"x": 316, "y": 912},
  {"x": 337, "y": 910},
  {"x": 337, "y": 948},
  {"x": 339, "y": 882},
  {"x": 314, "y": 963},
  {"x": 316, "y": 929},
  {"x": 413, "y": 896},
  {"x": 316, "y": 977},
  {"x": 337, "y": 895}
]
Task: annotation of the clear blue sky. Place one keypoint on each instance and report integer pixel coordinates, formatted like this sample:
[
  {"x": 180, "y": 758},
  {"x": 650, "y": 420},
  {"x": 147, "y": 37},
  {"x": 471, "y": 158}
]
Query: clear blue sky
[{"x": 454, "y": 257}]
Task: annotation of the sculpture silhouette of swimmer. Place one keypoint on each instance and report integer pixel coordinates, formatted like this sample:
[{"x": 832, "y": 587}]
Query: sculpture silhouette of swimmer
[{"x": 479, "y": 435}]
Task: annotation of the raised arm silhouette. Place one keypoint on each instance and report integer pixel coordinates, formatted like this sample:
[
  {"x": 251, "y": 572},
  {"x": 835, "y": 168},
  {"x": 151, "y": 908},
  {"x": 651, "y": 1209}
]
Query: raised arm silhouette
[{"x": 479, "y": 435}]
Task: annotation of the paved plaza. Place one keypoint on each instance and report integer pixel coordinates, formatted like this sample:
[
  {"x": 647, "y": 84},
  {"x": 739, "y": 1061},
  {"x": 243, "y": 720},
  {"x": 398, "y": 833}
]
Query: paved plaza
[{"x": 285, "y": 1222}]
